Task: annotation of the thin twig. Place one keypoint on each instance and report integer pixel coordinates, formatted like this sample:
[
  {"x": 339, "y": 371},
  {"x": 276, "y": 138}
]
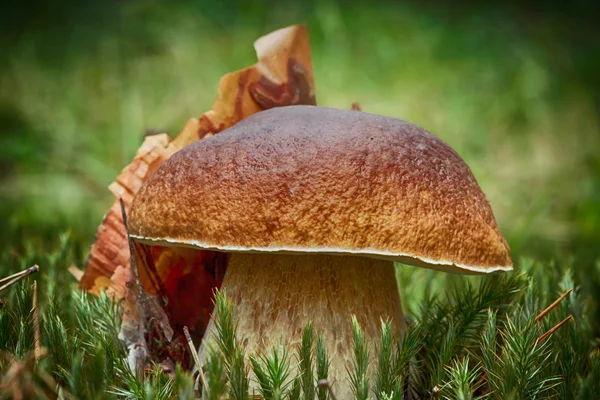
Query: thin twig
[
  {"x": 13, "y": 276},
  {"x": 18, "y": 276},
  {"x": 554, "y": 329},
  {"x": 36, "y": 324},
  {"x": 25, "y": 272},
  {"x": 552, "y": 306},
  {"x": 325, "y": 383},
  {"x": 190, "y": 343}
]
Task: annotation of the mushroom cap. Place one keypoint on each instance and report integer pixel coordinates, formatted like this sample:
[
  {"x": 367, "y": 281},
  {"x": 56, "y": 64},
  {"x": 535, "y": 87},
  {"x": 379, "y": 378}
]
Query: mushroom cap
[{"x": 305, "y": 179}]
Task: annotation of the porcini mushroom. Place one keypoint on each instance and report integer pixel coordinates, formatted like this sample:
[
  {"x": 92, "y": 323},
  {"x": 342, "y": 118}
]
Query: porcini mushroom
[{"x": 314, "y": 205}]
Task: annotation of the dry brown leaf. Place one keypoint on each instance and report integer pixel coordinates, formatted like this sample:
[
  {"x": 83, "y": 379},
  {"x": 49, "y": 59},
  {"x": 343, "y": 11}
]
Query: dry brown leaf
[
  {"x": 283, "y": 76},
  {"x": 108, "y": 263},
  {"x": 172, "y": 288}
]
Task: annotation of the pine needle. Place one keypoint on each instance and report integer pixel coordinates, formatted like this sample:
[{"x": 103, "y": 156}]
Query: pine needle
[
  {"x": 553, "y": 329},
  {"x": 12, "y": 279},
  {"x": 552, "y": 306},
  {"x": 36, "y": 323},
  {"x": 194, "y": 353}
]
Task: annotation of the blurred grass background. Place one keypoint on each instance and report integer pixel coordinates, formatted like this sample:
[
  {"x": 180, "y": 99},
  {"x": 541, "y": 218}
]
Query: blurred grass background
[{"x": 514, "y": 88}]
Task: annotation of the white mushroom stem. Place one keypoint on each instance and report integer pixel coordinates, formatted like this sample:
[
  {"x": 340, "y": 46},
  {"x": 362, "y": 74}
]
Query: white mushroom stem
[{"x": 276, "y": 295}]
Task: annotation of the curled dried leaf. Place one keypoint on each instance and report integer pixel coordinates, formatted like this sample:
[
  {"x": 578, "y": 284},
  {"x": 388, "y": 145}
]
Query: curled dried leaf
[
  {"x": 283, "y": 76},
  {"x": 166, "y": 289},
  {"x": 107, "y": 266}
]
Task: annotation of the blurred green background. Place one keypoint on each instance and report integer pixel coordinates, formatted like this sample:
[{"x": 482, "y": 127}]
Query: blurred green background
[{"x": 514, "y": 88}]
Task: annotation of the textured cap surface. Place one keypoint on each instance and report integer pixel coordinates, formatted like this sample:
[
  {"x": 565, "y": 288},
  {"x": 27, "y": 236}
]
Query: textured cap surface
[{"x": 313, "y": 179}]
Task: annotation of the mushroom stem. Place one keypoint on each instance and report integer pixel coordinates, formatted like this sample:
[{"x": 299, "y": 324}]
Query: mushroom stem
[{"x": 276, "y": 295}]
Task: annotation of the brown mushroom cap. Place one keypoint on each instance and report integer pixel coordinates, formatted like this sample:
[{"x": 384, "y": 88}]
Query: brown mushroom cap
[{"x": 306, "y": 179}]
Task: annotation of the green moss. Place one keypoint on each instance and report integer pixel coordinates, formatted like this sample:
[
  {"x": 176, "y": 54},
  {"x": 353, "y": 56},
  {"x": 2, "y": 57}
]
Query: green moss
[
  {"x": 80, "y": 86},
  {"x": 470, "y": 339}
]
